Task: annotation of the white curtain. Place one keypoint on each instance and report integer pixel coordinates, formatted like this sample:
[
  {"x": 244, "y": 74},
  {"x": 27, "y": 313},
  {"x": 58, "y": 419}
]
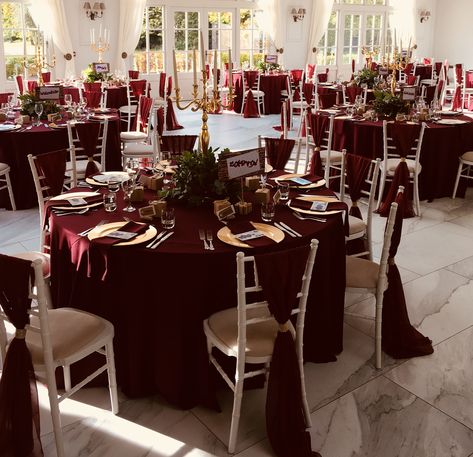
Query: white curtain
[
  {"x": 403, "y": 21},
  {"x": 321, "y": 10},
  {"x": 50, "y": 17},
  {"x": 129, "y": 29},
  {"x": 273, "y": 21}
]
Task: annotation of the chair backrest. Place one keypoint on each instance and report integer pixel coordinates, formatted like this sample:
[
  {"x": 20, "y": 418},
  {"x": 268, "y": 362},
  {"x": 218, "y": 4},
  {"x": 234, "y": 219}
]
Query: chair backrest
[
  {"x": 162, "y": 86},
  {"x": 141, "y": 120},
  {"x": 389, "y": 144},
  {"x": 133, "y": 74},
  {"x": 19, "y": 84},
  {"x": 350, "y": 94},
  {"x": 279, "y": 152},
  {"x": 251, "y": 80},
  {"x": 93, "y": 99},
  {"x": 326, "y": 135},
  {"x": 78, "y": 149},
  {"x": 249, "y": 284},
  {"x": 135, "y": 89}
]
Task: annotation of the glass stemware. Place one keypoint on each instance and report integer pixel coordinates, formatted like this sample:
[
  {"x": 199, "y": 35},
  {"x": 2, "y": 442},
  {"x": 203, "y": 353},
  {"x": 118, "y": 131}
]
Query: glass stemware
[
  {"x": 68, "y": 100},
  {"x": 128, "y": 188},
  {"x": 38, "y": 109}
]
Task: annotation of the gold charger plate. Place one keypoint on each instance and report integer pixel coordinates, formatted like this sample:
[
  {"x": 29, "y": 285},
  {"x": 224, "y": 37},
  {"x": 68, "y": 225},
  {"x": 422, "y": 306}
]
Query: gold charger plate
[
  {"x": 318, "y": 198},
  {"x": 104, "y": 229},
  {"x": 76, "y": 195},
  {"x": 226, "y": 236},
  {"x": 314, "y": 185},
  {"x": 92, "y": 181},
  {"x": 315, "y": 213}
]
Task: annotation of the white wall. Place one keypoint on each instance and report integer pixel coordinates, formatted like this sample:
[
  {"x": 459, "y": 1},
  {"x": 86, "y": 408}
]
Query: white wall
[
  {"x": 453, "y": 31},
  {"x": 425, "y": 31}
]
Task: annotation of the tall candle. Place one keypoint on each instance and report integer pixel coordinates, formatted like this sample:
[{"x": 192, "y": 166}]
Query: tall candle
[
  {"x": 100, "y": 31},
  {"x": 215, "y": 70},
  {"x": 194, "y": 66},
  {"x": 91, "y": 40},
  {"x": 176, "y": 82},
  {"x": 93, "y": 36},
  {"x": 409, "y": 48},
  {"x": 230, "y": 76},
  {"x": 202, "y": 51}
]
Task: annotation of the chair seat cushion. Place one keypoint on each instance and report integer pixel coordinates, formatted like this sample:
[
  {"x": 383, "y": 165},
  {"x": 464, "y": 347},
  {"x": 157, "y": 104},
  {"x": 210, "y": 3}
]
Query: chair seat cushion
[
  {"x": 260, "y": 337},
  {"x": 256, "y": 93},
  {"x": 393, "y": 163},
  {"x": 133, "y": 136},
  {"x": 71, "y": 330},
  {"x": 159, "y": 102},
  {"x": 138, "y": 148},
  {"x": 4, "y": 167},
  {"x": 335, "y": 156},
  {"x": 467, "y": 156},
  {"x": 81, "y": 165},
  {"x": 361, "y": 273},
  {"x": 128, "y": 109},
  {"x": 356, "y": 224},
  {"x": 34, "y": 255}
]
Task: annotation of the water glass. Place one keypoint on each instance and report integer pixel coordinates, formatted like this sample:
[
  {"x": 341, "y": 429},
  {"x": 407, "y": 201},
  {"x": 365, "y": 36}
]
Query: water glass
[
  {"x": 267, "y": 211},
  {"x": 38, "y": 109},
  {"x": 284, "y": 190},
  {"x": 113, "y": 185},
  {"x": 110, "y": 202},
  {"x": 68, "y": 100},
  {"x": 168, "y": 218}
]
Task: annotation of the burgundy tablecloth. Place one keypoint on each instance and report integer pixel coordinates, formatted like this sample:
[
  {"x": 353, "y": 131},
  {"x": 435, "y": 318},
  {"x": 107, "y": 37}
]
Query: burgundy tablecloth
[
  {"x": 157, "y": 299},
  {"x": 442, "y": 145},
  {"x": 15, "y": 147}
]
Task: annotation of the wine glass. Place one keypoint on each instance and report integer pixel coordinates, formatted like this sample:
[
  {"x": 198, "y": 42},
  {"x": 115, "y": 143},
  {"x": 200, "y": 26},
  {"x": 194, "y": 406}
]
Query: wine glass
[
  {"x": 38, "y": 109},
  {"x": 128, "y": 187},
  {"x": 68, "y": 100}
]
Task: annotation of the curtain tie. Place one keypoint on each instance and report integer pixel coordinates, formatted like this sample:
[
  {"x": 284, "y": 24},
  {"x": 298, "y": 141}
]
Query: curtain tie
[
  {"x": 403, "y": 159},
  {"x": 283, "y": 328},
  {"x": 391, "y": 261},
  {"x": 20, "y": 333},
  {"x": 90, "y": 158},
  {"x": 354, "y": 204},
  {"x": 317, "y": 149}
]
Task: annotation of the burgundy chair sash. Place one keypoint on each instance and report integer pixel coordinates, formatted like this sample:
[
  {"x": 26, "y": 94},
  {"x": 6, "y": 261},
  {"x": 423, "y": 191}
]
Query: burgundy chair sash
[
  {"x": 138, "y": 88},
  {"x": 280, "y": 277},
  {"x": 4, "y": 97},
  {"x": 171, "y": 119},
  {"x": 46, "y": 76},
  {"x": 352, "y": 91},
  {"x": 145, "y": 106},
  {"x": 327, "y": 100},
  {"x": 411, "y": 80},
  {"x": 133, "y": 74},
  {"x": 19, "y": 81},
  {"x": 160, "y": 120},
  {"x": 317, "y": 124},
  {"x": 93, "y": 98},
  {"x": 323, "y": 77},
  {"x": 409, "y": 68},
  {"x": 438, "y": 68},
  {"x": 278, "y": 151},
  {"x": 19, "y": 410},
  {"x": 178, "y": 143},
  {"x": 88, "y": 135},
  {"x": 52, "y": 165},
  {"x": 250, "y": 78},
  {"x": 469, "y": 79},
  {"x": 311, "y": 70},
  {"x": 32, "y": 85},
  {"x": 399, "y": 338},
  {"x": 93, "y": 87},
  {"x": 457, "y": 99},
  {"x": 250, "y": 109},
  {"x": 74, "y": 92},
  {"x": 430, "y": 93},
  {"x": 459, "y": 73},
  {"x": 162, "y": 83},
  {"x": 308, "y": 92},
  {"x": 296, "y": 76},
  {"x": 357, "y": 168}
]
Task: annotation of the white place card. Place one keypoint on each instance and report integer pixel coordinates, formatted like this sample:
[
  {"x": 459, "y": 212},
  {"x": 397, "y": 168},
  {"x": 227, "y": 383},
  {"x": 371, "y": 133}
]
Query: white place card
[
  {"x": 251, "y": 235},
  {"x": 319, "y": 206},
  {"x": 76, "y": 201},
  {"x": 122, "y": 235}
]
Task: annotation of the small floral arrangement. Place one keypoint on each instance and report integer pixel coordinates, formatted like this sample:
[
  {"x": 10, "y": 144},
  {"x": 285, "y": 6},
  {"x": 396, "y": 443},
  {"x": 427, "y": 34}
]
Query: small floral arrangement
[
  {"x": 91, "y": 76},
  {"x": 28, "y": 101},
  {"x": 366, "y": 76},
  {"x": 389, "y": 105},
  {"x": 196, "y": 179},
  {"x": 264, "y": 66}
]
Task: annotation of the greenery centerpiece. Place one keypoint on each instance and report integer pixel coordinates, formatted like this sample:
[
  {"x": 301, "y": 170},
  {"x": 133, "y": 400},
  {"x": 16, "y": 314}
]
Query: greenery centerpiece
[
  {"x": 28, "y": 101},
  {"x": 389, "y": 105},
  {"x": 366, "y": 76},
  {"x": 265, "y": 66},
  {"x": 196, "y": 179},
  {"x": 91, "y": 76}
]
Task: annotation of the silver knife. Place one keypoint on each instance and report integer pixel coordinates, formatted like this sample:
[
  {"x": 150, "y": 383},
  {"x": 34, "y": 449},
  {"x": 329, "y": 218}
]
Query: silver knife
[
  {"x": 164, "y": 238},
  {"x": 161, "y": 234},
  {"x": 291, "y": 229},
  {"x": 280, "y": 227}
]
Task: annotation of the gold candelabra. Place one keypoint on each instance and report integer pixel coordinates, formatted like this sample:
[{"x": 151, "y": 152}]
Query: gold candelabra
[
  {"x": 39, "y": 63},
  {"x": 369, "y": 53},
  {"x": 207, "y": 102},
  {"x": 102, "y": 44}
]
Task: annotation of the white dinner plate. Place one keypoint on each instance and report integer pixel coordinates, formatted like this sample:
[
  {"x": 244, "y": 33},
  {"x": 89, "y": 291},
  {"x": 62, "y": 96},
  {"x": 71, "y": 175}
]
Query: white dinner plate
[
  {"x": 9, "y": 127},
  {"x": 104, "y": 229},
  {"x": 314, "y": 213},
  {"x": 76, "y": 195},
  {"x": 313, "y": 185},
  {"x": 225, "y": 235},
  {"x": 451, "y": 122},
  {"x": 102, "y": 178}
]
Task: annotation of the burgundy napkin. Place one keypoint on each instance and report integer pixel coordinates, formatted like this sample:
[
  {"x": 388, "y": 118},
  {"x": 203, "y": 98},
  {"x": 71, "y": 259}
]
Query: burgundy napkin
[
  {"x": 237, "y": 227},
  {"x": 131, "y": 227},
  {"x": 90, "y": 200},
  {"x": 303, "y": 204}
]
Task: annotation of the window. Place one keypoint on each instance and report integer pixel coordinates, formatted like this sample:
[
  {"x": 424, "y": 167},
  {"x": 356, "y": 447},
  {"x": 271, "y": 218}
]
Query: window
[
  {"x": 373, "y": 34},
  {"x": 149, "y": 54},
  {"x": 186, "y": 38},
  {"x": 351, "y": 38},
  {"x": 220, "y": 34},
  {"x": 327, "y": 48},
  {"x": 252, "y": 38},
  {"x": 20, "y": 38}
]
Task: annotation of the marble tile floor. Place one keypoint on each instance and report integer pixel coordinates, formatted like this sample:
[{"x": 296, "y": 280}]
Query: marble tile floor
[{"x": 411, "y": 408}]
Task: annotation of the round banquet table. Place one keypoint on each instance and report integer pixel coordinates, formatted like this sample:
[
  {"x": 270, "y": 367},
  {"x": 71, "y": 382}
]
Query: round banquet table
[
  {"x": 441, "y": 147},
  {"x": 158, "y": 299},
  {"x": 16, "y": 145}
]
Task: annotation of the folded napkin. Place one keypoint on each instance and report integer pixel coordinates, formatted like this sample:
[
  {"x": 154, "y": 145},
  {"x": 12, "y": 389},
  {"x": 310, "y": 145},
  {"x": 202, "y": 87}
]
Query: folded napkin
[
  {"x": 89, "y": 200},
  {"x": 313, "y": 179},
  {"x": 237, "y": 227},
  {"x": 306, "y": 205},
  {"x": 130, "y": 227}
]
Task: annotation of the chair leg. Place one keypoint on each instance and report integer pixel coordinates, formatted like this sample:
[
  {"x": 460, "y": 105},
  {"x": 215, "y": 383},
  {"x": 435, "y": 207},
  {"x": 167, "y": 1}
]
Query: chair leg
[
  {"x": 381, "y": 190},
  {"x": 416, "y": 194},
  {"x": 300, "y": 358},
  {"x": 378, "y": 329},
  {"x": 10, "y": 192},
  {"x": 67, "y": 377},
  {"x": 112, "y": 379},
  {"x": 237, "y": 397},
  {"x": 55, "y": 412},
  {"x": 457, "y": 180}
]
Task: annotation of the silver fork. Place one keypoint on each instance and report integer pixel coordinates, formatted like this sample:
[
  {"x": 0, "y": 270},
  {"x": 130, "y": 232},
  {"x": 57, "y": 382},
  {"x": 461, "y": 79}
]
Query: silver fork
[
  {"x": 210, "y": 237},
  {"x": 86, "y": 231},
  {"x": 202, "y": 238},
  {"x": 68, "y": 213},
  {"x": 310, "y": 218}
]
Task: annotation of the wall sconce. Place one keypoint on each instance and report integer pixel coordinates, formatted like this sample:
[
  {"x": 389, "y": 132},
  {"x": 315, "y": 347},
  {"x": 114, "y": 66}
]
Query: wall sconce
[
  {"x": 424, "y": 15},
  {"x": 298, "y": 14},
  {"x": 95, "y": 11}
]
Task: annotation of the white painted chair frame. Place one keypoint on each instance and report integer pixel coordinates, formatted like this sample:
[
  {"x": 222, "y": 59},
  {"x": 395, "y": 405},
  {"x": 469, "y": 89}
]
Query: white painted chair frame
[
  {"x": 76, "y": 155},
  {"x": 243, "y": 322},
  {"x": 464, "y": 171},
  {"x": 129, "y": 110},
  {"x": 381, "y": 285},
  {"x": 413, "y": 159},
  {"x": 294, "y": 158},
  {"x": 6, "y": 181},
  {"x": 103, "y": 344}
]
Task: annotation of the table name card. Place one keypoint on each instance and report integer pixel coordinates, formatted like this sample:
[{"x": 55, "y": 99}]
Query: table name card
[
  {"x": 100, "y": 67},
  {"x": 409, "y": 93},
  {"x": 383, "y": 71},
  {"x": 54, "y": 93},
  {"x": 240, "y": 164}
]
